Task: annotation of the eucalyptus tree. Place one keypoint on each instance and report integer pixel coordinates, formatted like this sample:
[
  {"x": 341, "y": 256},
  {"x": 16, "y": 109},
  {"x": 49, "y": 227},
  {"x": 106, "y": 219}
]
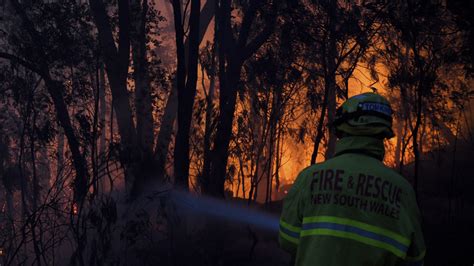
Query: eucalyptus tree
[
  {"x": 420, "y": 40},
  {"x": 336, "y": 37},
  {"x": 186, "y": 76},
  {"x": 52, "y": 52},
  {"x": 236, "y": 42}
]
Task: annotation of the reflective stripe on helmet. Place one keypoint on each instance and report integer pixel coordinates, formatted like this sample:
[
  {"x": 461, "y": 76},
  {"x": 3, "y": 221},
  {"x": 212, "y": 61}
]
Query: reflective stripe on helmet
[
  {"x": 370, "y": 109},
  {"x": 377, "y": 107}
]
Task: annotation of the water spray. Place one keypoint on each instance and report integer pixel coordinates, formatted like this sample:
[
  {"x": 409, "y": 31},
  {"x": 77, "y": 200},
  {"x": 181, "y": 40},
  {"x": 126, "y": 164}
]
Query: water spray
[{"x": 224, "y": 210}]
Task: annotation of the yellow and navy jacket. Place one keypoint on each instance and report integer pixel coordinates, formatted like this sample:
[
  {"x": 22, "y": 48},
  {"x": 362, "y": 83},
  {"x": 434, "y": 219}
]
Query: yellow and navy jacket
[{"x": 352, "y": 210}]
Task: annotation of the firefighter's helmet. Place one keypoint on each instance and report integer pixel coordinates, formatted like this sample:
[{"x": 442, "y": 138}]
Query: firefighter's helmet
[{"x": 367, "y": 114}]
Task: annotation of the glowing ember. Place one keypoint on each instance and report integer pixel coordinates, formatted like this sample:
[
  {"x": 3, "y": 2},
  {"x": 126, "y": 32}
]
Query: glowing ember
[{"x": 75, "y": 209}]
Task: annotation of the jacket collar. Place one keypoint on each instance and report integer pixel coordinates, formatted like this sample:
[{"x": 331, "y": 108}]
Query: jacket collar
[{"x": 361, "y": 144}]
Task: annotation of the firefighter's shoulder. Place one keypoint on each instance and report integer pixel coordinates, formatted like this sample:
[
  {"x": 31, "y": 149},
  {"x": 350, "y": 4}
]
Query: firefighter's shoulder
[{"x": 302, "y": 178}]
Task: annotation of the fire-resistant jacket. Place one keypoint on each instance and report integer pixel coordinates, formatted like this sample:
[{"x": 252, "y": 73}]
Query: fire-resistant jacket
[{"x": 352, "y": 210}]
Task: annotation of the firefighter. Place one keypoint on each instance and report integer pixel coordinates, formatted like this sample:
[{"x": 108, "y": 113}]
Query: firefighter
[{"x": 352, "y": 209}]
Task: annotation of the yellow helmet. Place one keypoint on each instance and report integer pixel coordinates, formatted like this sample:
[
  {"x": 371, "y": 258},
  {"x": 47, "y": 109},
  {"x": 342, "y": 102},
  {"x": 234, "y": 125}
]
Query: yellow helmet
[{"x": 366, "y": 114}]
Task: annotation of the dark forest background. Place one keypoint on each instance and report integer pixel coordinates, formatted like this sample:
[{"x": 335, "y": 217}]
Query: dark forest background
[{"x": 108, "y": 104}]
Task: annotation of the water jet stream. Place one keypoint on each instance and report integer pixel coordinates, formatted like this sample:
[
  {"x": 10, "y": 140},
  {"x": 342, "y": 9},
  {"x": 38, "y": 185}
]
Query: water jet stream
[{"x": 220, "y": 209}]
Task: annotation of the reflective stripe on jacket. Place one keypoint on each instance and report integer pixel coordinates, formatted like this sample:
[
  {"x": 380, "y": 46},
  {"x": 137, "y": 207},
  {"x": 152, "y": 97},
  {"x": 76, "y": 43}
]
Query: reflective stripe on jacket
[{"x": 352, "y": 210}]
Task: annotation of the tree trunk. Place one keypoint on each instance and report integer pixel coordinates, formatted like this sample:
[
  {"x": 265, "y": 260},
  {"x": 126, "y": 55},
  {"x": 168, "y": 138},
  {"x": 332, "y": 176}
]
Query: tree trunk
[
  {"x": 209, "y": 110},
  {"x": 398, "y": 146},
  {"x": 144, "y": 165},
  {"x": 319, "y": 131},
  {"x": 163, "y": 139},
  {"x": 55, "y": 90},
  {"x": 222, "y": 140},
  {"x": 59, "y": 154},
  {"x": 36, "y": 186},
  {"x": 330, "y": 79},
  {"x": 181, "y": 141},
  {"x": 230, "y": 67},
  {"x": 165, "y": 134},
  {"x": 261, "y": 131},
  {"x": 220, "y": 154},
  {"x": 278, "y": 157},
  {"x": 116, "y": 61},
  {"x": 274, "y": 118},
  {"x": 7, "y": 185},
  {"x": 94, "y": 158},
  {"x": 103, "y": 121},
  {"x": 419, "y": 109},
  {"x": 143, "y": 105},
  {"x": 187, "y": 81}
]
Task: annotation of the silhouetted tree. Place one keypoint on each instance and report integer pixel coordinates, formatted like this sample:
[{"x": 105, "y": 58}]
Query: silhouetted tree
[
  {"x": 186, "y": 83},
  {"x": 233, "y": 51}
]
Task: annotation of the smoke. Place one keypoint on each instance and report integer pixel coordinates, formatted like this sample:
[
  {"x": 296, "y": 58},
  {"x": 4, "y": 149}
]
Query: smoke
[{"x": 224, "y": 210}]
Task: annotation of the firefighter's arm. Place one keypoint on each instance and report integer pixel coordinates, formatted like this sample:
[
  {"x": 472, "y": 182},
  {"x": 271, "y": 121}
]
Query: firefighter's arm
[
  {"x": 416, "y": 251},
  {"x": 291, "y": 217}
]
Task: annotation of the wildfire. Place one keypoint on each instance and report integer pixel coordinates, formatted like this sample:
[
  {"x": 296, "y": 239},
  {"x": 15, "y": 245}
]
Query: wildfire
[{"x": 296, "y": 154}]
